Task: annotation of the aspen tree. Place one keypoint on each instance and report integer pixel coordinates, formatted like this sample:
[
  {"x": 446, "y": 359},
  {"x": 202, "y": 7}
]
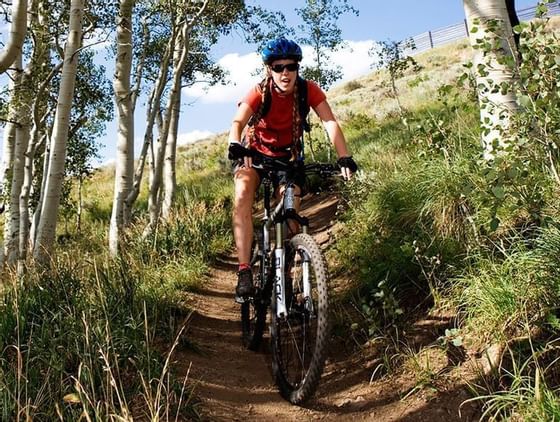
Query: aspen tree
[
  {"x": 491, "y": 36},
  {"x": 18, "y": 30},
  {"x": 124, "y": 163},
  {"x": 46, "y": 230}
]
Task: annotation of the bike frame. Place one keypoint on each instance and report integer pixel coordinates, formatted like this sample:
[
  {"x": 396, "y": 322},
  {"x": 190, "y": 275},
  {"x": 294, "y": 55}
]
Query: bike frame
[
  {"x": 277, "y": 218},
  {"x": 292, "y": 279}
]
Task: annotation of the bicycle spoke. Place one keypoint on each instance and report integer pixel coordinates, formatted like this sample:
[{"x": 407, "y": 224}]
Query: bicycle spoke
[
  {"x": 253, "y": 311},
  {"x": 299, "y": 338}
]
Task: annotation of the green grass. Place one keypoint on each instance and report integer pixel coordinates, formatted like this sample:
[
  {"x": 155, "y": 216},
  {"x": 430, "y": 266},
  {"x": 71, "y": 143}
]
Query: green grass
[
  {"x": 501, "y": 295},
  {"x": 77, "y": 341},
  {"x": 413, "y": 211},
  {"x": 528, "y": 389},
  {"x": 418, "y": 232},
  {"x": 86, "y": 338}
]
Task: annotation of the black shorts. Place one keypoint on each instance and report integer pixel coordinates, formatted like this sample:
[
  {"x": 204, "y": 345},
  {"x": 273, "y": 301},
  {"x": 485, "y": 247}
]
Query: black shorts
[{"x": 278, "y": 177}]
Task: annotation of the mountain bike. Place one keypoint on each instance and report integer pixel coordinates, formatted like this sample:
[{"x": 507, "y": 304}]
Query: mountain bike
[{"x": 289, "y": 276}]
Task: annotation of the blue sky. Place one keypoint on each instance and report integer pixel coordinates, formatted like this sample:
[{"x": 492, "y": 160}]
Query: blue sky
[
  {"x": 377, "y": 21},
  {"x": 210, "y": 112}
]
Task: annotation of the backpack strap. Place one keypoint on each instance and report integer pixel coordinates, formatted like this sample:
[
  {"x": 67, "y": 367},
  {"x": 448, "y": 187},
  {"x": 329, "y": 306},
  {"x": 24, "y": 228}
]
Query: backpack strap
[{"x": 267, "y": 100}]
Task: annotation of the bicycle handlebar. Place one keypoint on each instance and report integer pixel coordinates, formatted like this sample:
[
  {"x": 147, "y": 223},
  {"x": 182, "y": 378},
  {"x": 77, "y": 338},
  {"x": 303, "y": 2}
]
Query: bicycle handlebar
[{"x": 321, "y": 169}]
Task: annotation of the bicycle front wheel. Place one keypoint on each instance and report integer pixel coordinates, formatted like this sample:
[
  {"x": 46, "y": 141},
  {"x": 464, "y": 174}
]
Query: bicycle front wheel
[{"x": 299, "y": 339}]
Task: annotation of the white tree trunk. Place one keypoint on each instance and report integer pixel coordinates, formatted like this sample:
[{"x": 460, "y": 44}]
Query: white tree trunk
[
  {"x": 38, "y": 114},
  {"x": 38, "y": 211},
  {"x": 46, "y": 231},
  {"x": 172, "y": 117},
  {"x": 7, "y": 163},
  {"x": 18, "y": 171},
  {"x": 37, "y": 139},
  {"x": 181, "y": 29},
  {"x": 9, "y": 131},
  {"x": 151, "y": 114},
  {"x": 11, "y": 217},
  {"x": 18, "y": 30},
  {"x": 170, "y": 161},
  {"x": 154, "y": 195},
  {"x": 181, "y": 51},
  {"x": 124, "y": 165},
  {"x": 7, "y": 155},
  {"x": 488, "y": 23},
  {"x": 163, "y": 150}
]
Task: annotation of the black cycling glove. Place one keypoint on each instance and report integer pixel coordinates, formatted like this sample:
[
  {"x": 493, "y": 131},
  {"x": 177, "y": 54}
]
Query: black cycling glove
[
  {"x": 348, "y": 162},
  {"x": 237, "y": 151}
]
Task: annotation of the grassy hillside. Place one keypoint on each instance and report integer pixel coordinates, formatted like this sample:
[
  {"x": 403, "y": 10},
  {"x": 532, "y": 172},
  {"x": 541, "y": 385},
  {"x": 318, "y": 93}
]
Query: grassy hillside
[
  {"x": 371, "y": 94},
  {"x": 428, "y": 227},
  {"x": 432, "y": 226}
]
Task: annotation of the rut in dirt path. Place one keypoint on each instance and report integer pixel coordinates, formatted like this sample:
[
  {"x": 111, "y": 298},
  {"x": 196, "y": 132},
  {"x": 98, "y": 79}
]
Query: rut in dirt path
[{"x": 234, "y": 384}]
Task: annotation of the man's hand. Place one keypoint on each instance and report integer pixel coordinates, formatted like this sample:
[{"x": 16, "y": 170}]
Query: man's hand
[{"x": 347, "y": 167}]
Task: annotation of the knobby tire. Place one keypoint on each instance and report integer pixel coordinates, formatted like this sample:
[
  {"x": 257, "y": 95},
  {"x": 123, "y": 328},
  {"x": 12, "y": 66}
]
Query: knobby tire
[{"x": 299, "y": 341}]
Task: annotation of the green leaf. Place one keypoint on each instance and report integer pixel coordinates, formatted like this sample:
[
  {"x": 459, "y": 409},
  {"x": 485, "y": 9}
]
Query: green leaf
[
  {"x": 494, "y": 223},
  {"x": 553, "y": 321},
  {"x": 525, "y": 101},
  {"x": 541, "y": 10},
  {"x": 457, "y": 342},
  {"x": 499, "y": 192}
]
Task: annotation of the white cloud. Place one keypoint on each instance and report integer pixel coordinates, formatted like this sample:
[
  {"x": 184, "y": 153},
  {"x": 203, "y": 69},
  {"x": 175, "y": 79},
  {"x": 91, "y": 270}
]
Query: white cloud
[
  {"x": 195, "y": 135},
  {"x": 354, "y": 60},
  {"x": 241, "y": 79}
]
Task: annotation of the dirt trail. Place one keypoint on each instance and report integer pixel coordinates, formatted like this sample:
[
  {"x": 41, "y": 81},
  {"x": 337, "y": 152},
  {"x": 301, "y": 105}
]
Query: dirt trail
[{"x": 235, "y": 384}]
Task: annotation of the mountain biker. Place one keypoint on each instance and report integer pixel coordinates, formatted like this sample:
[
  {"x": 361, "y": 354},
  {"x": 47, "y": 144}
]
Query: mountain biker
[{"x": 272, "y": 111}]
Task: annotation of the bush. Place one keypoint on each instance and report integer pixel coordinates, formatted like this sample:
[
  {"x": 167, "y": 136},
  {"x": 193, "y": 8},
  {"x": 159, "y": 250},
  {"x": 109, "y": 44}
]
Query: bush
[{"x": 352, "y": 86}]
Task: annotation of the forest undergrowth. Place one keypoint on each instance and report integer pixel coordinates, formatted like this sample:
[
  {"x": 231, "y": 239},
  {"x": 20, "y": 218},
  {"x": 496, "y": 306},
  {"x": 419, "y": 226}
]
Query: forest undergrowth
[
  {"x": 435, "y": 226},
  {"x": 429, "y": 226}
]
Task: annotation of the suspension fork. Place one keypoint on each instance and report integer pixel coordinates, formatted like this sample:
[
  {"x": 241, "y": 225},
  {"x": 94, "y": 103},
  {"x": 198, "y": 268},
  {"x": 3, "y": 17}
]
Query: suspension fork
[
  {"x": 307, "y": 283},
  {"x": 280, "y": 264},
  {"x": 289, "y": 212},
  {"x": 279, "y": 281},
  {"x": 265, "y": 227},
  {"x": 306, "y": 266}
]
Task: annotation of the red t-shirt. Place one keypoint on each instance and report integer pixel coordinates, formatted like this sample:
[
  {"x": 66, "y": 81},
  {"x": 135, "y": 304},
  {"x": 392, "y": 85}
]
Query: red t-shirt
[{"x": 275, "y": 129}]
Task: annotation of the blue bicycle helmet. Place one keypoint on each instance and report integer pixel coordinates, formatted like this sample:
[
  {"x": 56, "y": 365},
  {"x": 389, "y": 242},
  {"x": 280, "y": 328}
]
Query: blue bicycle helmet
[{"x": 281, "y": 48}]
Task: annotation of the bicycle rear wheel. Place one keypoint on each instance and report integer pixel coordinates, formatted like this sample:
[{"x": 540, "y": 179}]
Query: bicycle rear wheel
[
  {"x": 299, "y": 340},
  {"x": 253, "y": 311}
]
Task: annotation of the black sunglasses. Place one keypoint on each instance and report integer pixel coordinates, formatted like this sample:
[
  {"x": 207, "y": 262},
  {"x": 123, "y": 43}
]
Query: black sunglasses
[{"x": 279, "y": 68}]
